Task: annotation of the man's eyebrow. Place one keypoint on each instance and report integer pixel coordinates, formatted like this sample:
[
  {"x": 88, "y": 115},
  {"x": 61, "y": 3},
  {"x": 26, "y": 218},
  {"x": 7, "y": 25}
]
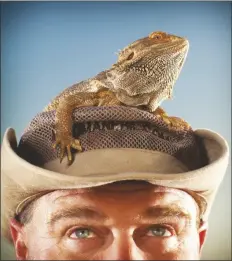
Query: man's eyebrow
[
  {"x": 84, "y": 213},
  {"x": 165, "y": 211}
]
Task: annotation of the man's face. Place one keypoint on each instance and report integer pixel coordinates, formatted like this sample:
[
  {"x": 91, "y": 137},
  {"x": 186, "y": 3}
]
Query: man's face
[{"x": 132, "y": 221}]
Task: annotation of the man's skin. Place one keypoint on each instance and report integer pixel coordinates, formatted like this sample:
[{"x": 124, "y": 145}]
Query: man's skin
[{"x": 128, "y": 221}]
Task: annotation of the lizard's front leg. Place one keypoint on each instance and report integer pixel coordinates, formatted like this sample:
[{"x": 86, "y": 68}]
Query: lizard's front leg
[{"x": 64, "y": 122}]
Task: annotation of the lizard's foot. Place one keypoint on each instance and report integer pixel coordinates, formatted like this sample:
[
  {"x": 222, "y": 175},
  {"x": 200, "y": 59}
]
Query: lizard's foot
[
  {"x": 65, "y": 146},
  {"x": 176, "y": 123},
  {"x": 173, "y": 122}
]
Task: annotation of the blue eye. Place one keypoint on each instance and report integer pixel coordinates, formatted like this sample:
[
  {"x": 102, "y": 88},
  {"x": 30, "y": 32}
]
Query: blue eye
[
  {"x": 159, "y": 231},
  {"x": 82, "y": 233}
]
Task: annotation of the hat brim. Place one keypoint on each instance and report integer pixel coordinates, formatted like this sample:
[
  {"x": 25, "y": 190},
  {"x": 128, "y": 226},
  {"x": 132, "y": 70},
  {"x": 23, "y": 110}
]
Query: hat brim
[{"x": 21, "y": 181}]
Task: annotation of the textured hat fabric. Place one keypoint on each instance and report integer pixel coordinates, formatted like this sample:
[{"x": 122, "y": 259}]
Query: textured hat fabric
[
  {"x": 22, "y": 181},
  {"x": 112, "y": 127}
]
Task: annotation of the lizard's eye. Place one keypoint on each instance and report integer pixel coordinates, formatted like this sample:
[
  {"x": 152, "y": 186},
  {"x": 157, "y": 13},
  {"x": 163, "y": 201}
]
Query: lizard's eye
[
  {"x": 156, "y": 36},
  {"x": 130, "y": 56}
]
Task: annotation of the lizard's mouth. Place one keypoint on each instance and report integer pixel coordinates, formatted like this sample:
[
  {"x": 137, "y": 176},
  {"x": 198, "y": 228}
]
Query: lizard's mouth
[
  {"x": 181, "y": 63},
  {"x": 180, "y": 48},
  {"x": 175, "y": 48}
]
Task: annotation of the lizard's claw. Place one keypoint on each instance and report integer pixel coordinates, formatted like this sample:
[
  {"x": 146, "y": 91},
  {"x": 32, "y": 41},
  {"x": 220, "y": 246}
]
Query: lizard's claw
[
  {"x": 65, "y": 145},
  {"x": 171, "y": 121},
  {"x": 177, "y": 123}
]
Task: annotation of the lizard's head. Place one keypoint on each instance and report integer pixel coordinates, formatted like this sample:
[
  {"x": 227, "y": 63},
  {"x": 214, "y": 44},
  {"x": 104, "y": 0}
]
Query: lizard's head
[
  {"x": 157, "y": 45},
  {"x": 150, "y": 63}
]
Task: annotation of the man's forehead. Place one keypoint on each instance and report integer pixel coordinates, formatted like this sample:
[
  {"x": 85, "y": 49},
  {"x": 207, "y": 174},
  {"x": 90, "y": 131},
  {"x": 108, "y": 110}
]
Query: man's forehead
[
  {"x": 122, "y": 188},
  {"x": 111, "y": 200}
]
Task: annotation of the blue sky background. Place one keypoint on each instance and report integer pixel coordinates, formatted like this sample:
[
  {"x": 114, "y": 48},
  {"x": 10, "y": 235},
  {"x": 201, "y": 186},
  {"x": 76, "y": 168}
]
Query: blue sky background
[{"x": 48, "y": 46}]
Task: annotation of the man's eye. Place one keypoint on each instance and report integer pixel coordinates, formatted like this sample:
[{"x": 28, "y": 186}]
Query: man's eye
[
  {"x": 82, "y": 233},
  {"x": 159, "y": 231}
]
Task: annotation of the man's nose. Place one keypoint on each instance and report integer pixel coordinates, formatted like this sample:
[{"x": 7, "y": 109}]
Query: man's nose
[{"x": 122, "y": 248}]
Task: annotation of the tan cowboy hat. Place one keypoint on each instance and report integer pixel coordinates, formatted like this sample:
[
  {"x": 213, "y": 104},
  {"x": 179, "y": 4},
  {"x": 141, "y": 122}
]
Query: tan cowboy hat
[{"x": 23, "y": 181}]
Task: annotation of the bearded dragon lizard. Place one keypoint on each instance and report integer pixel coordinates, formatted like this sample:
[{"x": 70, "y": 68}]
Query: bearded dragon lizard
[{"x": 143, "y": 76}]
